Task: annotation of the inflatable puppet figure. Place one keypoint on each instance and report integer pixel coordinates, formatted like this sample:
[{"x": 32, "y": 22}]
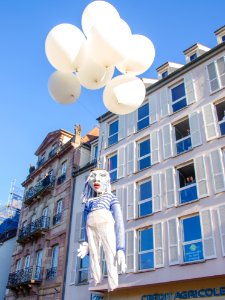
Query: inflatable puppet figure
[{"x": 103, "y": 227}]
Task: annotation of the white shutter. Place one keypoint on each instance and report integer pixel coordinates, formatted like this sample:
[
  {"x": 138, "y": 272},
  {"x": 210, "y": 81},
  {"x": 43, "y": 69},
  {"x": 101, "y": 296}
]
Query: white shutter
[
  {"x": 217, "y": 170},
  {"x": 207, "y": 234},
  {"x": 120, "y": 198},
  {"x": 156, "y": 192},
  {"x": 213, "y": 78},
  {"x": 221, "y": 70},
  {"x": 154, "y": 140},
  {"x": 131, "y": 122},
  {"x": 75, "y": 260},
  {"x": 158, "y": 245},
  {"x": 103, "y": 135},
  {"x": 189, "y": 88},
  {"x": 122, "y": 127},
  {"x": 167, "y": 141},
  {"x": 102, "y": 162},
  {"x": 121, "y": 162},
  {"x": 201, "y": 178},
  {"x": 221, "y": 216},
  {"x": 173, "y": 238},
  {"x": 130, "y": 251},
  {"x": 210, "y": 123},
  {"x": 170, "y": 187},
  {"x": 153, "y": 114},
  {"x": 196, "y": 137},
  {"x": 78, "y": 222},
  {"x": 164, "y": 102},
  {"x": 130, "y": 149},
  {"x": 131, "y": 201}
]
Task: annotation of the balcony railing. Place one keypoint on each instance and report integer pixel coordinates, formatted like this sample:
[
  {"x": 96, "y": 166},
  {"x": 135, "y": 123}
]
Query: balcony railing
[
  {"x": 31, "y": 275},
  {"x": 183, "y": 144},
  {"x": 53, "y": 152},
  {"x": 57, "y": 218},
  {"x": 33, "y": 229},
  {"x": 222, "y": 126},
  {"x": 51, "y": 273},
  {"x": 61, "y": 179},
  {"x": 188, "y": 193},
  {"x": 41, "y": 187}
]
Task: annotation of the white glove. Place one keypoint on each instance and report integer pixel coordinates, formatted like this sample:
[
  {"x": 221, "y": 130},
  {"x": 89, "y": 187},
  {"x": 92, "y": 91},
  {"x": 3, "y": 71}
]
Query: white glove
[
  {"x": 83, "y": 250},
  {"x": 121, "y": 260}
]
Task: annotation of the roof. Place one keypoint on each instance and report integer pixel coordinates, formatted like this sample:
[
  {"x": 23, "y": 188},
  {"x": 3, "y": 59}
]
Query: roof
[{"x": 90, "y": 136}]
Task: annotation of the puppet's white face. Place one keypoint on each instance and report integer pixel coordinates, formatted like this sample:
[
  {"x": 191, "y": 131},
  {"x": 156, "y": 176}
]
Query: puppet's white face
[{"x": 99, "y": 180}]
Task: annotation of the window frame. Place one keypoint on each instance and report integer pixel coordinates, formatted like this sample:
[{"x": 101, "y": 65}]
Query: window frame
[
  {"x": 113, "y": 170},
  {"x": 80, "y": 270},
  {"x": 145, "y": 251},
  {"x": 139, "y": 158},
  {"x": 63, "y": 167},
  {"x": 114, "y": 134},
  {"x": 177, "y": 100},
  {"x": 139, "y": 202},
  {"x": 183, "y": 243},
  {"x": 145, "y": 117}
]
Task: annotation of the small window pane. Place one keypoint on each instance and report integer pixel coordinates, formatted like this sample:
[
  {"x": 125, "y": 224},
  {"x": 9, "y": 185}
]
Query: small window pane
[
  {"x": 146, "y": 239},
  {"x": 145, "y": 190},
  {"x": 146, "y": 261},
  {"x": 193, "y": 56},
  {"x": 113, "y": 128},
  {"x": 113, "y": 133},
  {"x": 192, "y": 229},
  {"x": 165, "y": 74},
  {"x": 223, "y": 38},
  {"x": 144, "y": 148},
  {"x": 178, "y": 92}
]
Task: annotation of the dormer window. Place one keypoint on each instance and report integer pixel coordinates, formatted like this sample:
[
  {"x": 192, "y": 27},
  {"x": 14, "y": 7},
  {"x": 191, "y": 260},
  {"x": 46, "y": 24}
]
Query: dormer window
[
  {"x": 193, "y": 56},
  {"x": 223, "y": 38},
  {"x": 220, "y": 34},
  {"x": 165, "y": 74}
]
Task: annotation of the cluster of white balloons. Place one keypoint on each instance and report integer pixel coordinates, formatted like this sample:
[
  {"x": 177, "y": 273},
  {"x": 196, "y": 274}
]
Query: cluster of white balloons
[{"x": 89, "y": 59}]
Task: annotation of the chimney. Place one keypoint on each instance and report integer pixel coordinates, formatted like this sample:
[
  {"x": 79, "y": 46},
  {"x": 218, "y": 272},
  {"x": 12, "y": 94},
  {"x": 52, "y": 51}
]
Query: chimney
[{"x": 77, "y": 134}]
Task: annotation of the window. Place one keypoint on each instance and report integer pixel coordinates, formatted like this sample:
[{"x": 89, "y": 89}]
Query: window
[
  {"x": 112, "y": 167},
  {"x": 143, "y": 116},
  {"x": 216, "y": 73},
  {"x": 51, "y": 273},
  {"x": 192, "y": 239},
  {"x": 145, "y": 198},
  {"x": 165, "y": 74},
  {"x": 187, "y": 184},
  {"x": 58, "y": 216},
  {"x": 63, "y": 168},
  {"x": 145, "y": 249},
  {"x": 95, "y": 152},
  {"x": 220, "y": 110},
  {"x": 18, "y": 265},
  {"x": 183, "y": 136},
  {"x": 45, "y": 219},
  {"x": 223, "y": 38},
  {"x": 193, "y": 56},
  {"x": 144, "y": 154},
  {"x": 83, "y": 265},
  {"x": 38, "y": 267},
  {"x": 178, "y": 97},
  {"x": 113, "y": 133}
]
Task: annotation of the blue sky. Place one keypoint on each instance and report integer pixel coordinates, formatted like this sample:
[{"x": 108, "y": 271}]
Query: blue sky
[{"x": 28, "y": 113}]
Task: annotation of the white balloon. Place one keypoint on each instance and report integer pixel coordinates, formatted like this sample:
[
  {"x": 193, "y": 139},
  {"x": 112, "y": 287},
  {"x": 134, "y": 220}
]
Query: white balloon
[
  {"x": 124, "y": 94},
  {"x": 64, "y": 87},
  {"x": 97, "y": 11},
  {"x": 139, "y": 57},
  {"x": 93, "y": 76},
  {"x": 109, "y": 43},
  {"x": 64, "y": 47}
]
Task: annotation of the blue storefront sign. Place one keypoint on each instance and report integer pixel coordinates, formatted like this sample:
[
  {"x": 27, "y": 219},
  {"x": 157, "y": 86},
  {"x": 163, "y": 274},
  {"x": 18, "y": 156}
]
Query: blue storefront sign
[
  {"x": 190, "y": 294},
  {"x": 96, "y": 296}
]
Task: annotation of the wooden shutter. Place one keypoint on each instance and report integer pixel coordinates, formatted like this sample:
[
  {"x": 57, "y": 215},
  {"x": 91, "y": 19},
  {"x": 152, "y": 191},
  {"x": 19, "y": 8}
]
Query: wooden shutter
[
  {"x": 210, "y": 123},
  {"x": 201, "y": 179},
  {"x": 217, "y": 167},
  {"x": 103, "y": 135},
  {"x": 154, "y": 140},
  {"x": 173, "y": 239},
  {"x": 131, "y": 201},
  {"x": 170, "y": 187},
  {"x": 153, "y": 113},
  {"x": 122, "y": 127},
  {"x": 196, "y": 137},
  {"x": 156, "y": 192},
  {"x": 164, "y": 102},
  {"x": 189, "y": 88},
  {"x": 121, "y": 162},
  {"x": 158, "y": 245},
  {"x": 221, "y": 217},
  {"x": 213, "y": 77},
  {"x": 130, "y": 149},
  {"x": 167, "y": 141},
  {"x": 207, "y": 234},
  {"x": 130, "y": 251},
  {"x": 75, "y": 261},
  {"x": 131, "y": 123}
]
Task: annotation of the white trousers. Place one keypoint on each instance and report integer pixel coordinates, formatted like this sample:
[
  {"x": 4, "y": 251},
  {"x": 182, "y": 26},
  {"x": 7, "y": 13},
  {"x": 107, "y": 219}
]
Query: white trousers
[{"x": 101, "y": 231}]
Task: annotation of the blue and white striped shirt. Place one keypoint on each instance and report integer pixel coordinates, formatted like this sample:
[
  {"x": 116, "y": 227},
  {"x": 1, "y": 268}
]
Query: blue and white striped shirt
[{"x": 108, "y": 201}]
